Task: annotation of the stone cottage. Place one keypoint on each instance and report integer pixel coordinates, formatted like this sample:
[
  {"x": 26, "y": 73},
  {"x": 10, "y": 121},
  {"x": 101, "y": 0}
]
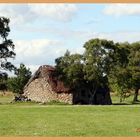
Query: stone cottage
[{"x": 43, "y": 86}]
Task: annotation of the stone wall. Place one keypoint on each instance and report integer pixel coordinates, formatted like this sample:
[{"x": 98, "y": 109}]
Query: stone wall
[{"x": 40, "y": 90}]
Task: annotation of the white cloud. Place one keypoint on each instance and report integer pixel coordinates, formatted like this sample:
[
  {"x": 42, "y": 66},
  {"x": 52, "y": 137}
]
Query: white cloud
[
  {"x": 28, "y": 13},
  {"x": 60, "y": 12},
  {"x": 33, "y": 68},
  {"x": 39, "y": 51},
  {"x": 36, "y": 52},
  {"x": 18, "y": 13},
  {"x": 83, "y": 35},
  {"x": 121, "y": 36},
  {"x": 122, "y": 9},
  {"x": 117, "y": 36}
]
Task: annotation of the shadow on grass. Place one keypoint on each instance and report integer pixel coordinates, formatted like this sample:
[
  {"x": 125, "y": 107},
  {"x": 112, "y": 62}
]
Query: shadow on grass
[{"x": 130, "y": 103}]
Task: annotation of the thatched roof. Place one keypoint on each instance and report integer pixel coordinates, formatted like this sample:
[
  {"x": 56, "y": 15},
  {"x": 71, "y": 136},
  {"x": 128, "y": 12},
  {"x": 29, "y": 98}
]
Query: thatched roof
[{"x": 47, "y": 72}]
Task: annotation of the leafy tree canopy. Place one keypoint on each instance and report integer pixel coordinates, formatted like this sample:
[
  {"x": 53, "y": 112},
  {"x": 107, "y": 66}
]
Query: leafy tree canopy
[
  {"x": 16, "y": 84},
  {"x": 103, "y": 63},
  {"x": 6, "y": 46}
]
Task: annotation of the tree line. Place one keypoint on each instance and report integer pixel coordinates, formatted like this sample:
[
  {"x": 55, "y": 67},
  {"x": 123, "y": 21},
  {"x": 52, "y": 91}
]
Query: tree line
[
  {"x": 104, "y": 63},
  {"x": 22, "y": 74}
]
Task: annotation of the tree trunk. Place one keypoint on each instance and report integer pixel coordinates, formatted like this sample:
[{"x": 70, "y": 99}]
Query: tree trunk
[
  {"x": 92, "y": 97},
  {"x": 92, "y": 93},
  {"x": 136, "y": 95},
  {"x": 108, "y": 100}
]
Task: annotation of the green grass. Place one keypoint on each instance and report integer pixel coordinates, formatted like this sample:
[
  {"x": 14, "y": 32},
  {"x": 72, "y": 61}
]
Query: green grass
[
  {"x": 6, "y": 98},
  {"x": 32, "y": 119},
  {"x": 52, "y": 120},
  {"x": 128, "y": 100}
]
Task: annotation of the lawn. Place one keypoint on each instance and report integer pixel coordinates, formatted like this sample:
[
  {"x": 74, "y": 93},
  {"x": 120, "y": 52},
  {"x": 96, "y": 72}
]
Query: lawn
[
  {"x": 26, "y": 119},
  {"x": 6, "y": 98}
]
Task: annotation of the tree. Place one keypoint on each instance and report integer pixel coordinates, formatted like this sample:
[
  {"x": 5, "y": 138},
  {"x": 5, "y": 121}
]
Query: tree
[
  {"x": 6, "y": 52},
  {"x": 6, "y": 46},
  {"x": 16, "y": 84},
  {"x": 134, "y": 65},
  {"x": 125, "y": 74},
  {"x": 3, "y": 81},
  {"x": 69, "y": 68},
  {"x": 120, "y": 81},
  {"x": 90, "y": 69},
  {"x": 98, "y": 59},
  {"x": 120, "y": 74}
]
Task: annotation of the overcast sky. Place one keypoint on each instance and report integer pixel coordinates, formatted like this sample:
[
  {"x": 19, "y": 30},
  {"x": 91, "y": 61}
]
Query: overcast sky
[{"x": 43, "y": 32}]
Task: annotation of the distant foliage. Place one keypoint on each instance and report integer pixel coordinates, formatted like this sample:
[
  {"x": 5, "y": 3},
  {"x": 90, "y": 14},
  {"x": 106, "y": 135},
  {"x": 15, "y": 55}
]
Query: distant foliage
[
  {"x": 103, "y": 63},
  {"x": 16, "y": 84}
]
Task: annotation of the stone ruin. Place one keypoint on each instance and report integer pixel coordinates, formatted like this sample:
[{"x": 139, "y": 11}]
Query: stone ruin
[{"x": 44, "y": 87}]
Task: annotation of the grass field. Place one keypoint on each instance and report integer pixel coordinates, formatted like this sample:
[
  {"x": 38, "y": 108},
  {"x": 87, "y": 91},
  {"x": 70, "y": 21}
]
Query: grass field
[{"x": 30, "y": 119}]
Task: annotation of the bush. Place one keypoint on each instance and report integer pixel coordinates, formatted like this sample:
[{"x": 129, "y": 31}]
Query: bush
[{"x": 16, "y": 84}]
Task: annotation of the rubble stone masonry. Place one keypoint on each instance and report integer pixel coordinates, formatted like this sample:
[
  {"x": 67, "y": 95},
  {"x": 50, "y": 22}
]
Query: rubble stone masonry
[{"x": 40, "y": 90}]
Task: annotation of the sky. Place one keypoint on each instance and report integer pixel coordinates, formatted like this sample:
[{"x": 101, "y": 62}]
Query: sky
[{"x": 43, "y": 32}]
